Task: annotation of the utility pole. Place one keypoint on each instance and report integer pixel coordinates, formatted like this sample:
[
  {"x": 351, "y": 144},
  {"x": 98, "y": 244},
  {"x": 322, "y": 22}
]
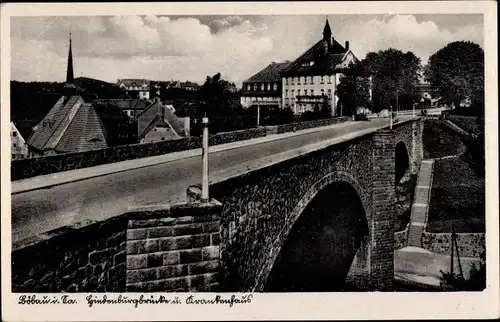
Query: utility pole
[
  {"x": 258, "y": 114},
  {"x": 204, "y": 190}
]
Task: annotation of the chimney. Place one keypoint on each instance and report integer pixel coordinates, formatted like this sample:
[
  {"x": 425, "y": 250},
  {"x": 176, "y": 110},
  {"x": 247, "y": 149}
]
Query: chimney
[{"x": 347, "y": 45}]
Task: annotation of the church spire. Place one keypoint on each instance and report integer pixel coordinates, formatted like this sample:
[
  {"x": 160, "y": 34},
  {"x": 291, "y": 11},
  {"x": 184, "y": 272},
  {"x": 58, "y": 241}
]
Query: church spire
[
  {"x": 69, "y": 71},
  {"x": 327, "y": 32}
]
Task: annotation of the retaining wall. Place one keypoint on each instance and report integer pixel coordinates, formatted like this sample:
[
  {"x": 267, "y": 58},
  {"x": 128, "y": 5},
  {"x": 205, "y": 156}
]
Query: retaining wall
[
  {"x": 401, "y": 238},
  {"x": 469, "y": 244}
]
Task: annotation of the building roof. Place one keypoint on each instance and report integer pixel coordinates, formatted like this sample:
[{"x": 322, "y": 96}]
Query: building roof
[
  {"x": 269, "y": 74},
  {"x": 125, "y": 104},
  {"x": 86, "y": 132},
  {"x": 323, "y": 56},
  {"x": 70, "y": 126},
  {"x": 134, "y": 82}
]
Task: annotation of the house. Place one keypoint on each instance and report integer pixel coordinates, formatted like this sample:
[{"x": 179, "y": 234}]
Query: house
[
  {"x": 131, "y": 107},
  {"x": 70, "y": 126},
  {"x": 136, "y": 88},
  {"x": 158, "y": 123},
  {"x": 264, "y": 88},
  {"x": 18, "y": 147},
  {"x": 189, "y": 86},
  {"x": 313, "y": 77}
]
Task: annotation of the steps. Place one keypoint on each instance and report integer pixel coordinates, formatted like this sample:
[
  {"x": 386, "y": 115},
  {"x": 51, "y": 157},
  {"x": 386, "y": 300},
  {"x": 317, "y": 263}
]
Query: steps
[{"x": 420, "y": 205}]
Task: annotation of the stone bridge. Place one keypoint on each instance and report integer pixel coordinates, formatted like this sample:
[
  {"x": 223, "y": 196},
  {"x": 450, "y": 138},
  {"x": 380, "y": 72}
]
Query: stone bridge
[
  {"x": 320, "y": 219},
  {"x": 312, "y": 222}
]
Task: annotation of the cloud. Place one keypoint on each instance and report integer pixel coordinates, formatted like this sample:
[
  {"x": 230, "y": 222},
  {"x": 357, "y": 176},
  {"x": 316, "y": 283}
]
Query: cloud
[{"x": 186, "y": 48}]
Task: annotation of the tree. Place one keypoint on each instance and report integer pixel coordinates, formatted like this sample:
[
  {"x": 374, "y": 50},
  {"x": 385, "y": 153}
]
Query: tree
[
  {"x": 352, "y": 90},
  {"x": 216, "y": 96},
  {"x": 456, "y": 71},
  {"x": 393, "y": 72}
]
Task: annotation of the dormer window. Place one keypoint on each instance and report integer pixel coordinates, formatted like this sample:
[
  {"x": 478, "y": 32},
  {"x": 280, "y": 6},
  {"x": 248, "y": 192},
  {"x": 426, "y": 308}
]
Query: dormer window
[
  {"x": 275, "y": 86},
  {"x": 249, "y": 87},
  {"x": 262, "y": 87},
  {"x": 268, "y": 87},
  {"x": 255, "y": 87}
]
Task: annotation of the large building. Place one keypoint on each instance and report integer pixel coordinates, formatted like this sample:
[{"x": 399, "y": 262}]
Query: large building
[
  {"x": 264, "y": 88},
  {"x": 313, "y": 77},
  {"x": 308, "y": 81},
  {"x": 136, "y": 88}
]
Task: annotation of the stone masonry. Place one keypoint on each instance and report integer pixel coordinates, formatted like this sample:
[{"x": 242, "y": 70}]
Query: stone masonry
[
  {"x": 175, "y": 249},
  {"x": 230, "y": 243}
]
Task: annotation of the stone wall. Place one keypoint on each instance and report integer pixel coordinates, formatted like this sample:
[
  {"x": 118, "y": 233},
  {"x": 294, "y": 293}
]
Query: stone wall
[
  {"x": 469, "y": 244},
  {"x": 174, "y": 248},
  {"x": 259, "y": 207},
  {"x": 149, "y": 249},
  {"x": 26, "y": 168},
  {"x": 401, "y": 238},
  {"x": 305, "y": 125},
  {"x": 72, "y": 259}
]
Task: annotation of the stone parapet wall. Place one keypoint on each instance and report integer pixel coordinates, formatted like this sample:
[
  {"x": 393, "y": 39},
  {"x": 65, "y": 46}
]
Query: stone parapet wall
[
  {"x": 469, "y": 244},
  {"x": 72, "y": 259},
  {"x": 149, "y": 249},
  {"x": 401, "y": 238},
  {"x": 26, "y": 168},
  {"x": 278, "y": 129},
  {"x": 174, "y": 249}
]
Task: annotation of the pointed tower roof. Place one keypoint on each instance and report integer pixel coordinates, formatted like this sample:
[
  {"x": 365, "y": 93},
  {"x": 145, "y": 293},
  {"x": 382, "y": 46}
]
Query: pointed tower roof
[
  {"x": 327, "y": 31},
  {"x": 69, "y": 71}
]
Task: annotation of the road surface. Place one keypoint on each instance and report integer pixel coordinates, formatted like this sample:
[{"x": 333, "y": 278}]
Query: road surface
[{"x": 37, "y": 211}]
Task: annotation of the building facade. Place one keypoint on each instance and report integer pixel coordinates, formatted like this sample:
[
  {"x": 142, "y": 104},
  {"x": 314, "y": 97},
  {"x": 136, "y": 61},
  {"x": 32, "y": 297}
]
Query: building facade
[
  {"x": 136, "y": 88},
  {"x": 264, "y": 88},
  {"x": 18, "y": 147},
  {"x": 312, "y": 79}
]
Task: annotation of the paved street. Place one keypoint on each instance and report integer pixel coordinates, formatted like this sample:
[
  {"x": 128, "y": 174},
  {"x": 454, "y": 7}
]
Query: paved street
[{"x": 37, "y": 211}]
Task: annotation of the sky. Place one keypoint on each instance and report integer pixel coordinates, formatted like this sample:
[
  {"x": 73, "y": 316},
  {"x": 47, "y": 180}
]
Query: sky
[{"x": 193, "y": 47}]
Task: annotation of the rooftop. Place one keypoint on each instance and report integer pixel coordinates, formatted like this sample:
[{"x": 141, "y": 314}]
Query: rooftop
[{"x": 269, "y": 74}]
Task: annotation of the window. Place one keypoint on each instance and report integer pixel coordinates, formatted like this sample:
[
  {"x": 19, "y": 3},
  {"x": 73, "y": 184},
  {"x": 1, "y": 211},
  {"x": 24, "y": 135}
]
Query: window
[
  {"x": 262, "y": 87},
  {"x": 14, "y": 134},
  {"x": 296, "y": 80},
  {"x": 286, "y": 81},
  {"x": 293, "y": 93},
  {"x": 249, "y": 87},
  {"x": 330, "y": 79},
  {"x": 329, "y": 92},
  {"x": 286, "y": 93},
  {"x": 275, "y": 86},
  {"x": 301, "y": 79},
  {"x": 298, "y": 92},
  {"x": 291, "y": 81},
  {"x": 15, "y": 145},
  {"x": 255, "y": 87},
  {"x": 312, "y": 92},
  {"x": 268, "y": 87},
  {"x": 322, "y": 92},
  {"x": 312, "y": 80}
]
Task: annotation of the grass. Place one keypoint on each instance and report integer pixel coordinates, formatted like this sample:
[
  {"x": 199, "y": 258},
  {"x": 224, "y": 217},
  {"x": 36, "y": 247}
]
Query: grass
[
  {"x": 458, "y": 192},
  {"x": 440, "y": 141},
  {"x": 466, "y": 123}
]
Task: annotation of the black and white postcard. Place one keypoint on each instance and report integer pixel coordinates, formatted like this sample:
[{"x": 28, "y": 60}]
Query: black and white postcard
[{"x": 265, "y": 160}]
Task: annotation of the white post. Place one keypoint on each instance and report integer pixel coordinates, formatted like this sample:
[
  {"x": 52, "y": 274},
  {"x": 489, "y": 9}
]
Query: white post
[
  {"x": 391, "y": 118},
  {"x": 204, "y": 190}
]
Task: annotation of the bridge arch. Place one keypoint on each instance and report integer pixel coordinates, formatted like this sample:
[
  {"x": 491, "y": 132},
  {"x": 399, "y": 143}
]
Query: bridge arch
[
  {"x": 317, "y": 248},
  {"x": 402, "y": 160}
]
